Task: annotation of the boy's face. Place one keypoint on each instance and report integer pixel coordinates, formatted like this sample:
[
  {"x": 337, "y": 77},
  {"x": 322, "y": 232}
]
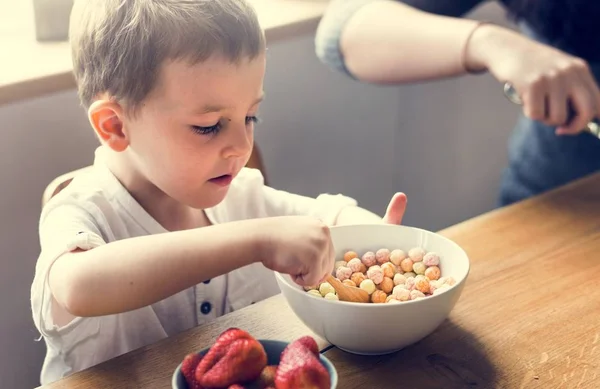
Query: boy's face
[{"x": 194, "y": 132}]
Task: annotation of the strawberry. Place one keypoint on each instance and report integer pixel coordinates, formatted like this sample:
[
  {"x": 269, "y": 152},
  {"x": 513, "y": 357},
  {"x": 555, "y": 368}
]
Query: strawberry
[
  {"x": 243, "y": 361},
  {"x": 310, "y": 343},
  {"x": 219, "y": 349},
  {"x": 188, "y": 369},
  {"x": 267, "y": 377},
  {"x": 300, "y": 369}
]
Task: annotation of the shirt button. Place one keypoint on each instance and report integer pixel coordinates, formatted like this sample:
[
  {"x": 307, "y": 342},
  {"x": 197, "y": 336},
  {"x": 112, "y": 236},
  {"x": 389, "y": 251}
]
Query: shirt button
[
  {"x": 205, "y": 308},
  {"x": 206, "y": 282}
]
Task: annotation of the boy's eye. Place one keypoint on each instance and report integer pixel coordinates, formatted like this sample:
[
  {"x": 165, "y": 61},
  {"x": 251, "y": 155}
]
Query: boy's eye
[
  {"x": 251, "y": 119},
  {"x": 206, "y": 130},
  {"x": 217, "y": 127}
]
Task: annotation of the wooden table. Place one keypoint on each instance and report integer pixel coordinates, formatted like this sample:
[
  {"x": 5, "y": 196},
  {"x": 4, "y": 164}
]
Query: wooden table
[{"x": 529, "y": 316}]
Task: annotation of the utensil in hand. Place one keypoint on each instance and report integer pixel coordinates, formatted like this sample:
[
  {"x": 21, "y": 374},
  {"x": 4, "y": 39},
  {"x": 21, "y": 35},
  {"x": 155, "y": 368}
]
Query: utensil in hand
[
  {"x": 348, "y": 293},
  {"x": 511, "y": 94}
]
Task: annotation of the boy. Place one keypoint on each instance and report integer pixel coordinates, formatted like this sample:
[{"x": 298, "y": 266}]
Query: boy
[{"x": 168, "y": 230}]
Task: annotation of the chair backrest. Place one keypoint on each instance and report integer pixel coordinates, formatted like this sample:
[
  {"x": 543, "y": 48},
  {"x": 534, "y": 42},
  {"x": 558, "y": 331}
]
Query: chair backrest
[{"x": 61, "y": 182}]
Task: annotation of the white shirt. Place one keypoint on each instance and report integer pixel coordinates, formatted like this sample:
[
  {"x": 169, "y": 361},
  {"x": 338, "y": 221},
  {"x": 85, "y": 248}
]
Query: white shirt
[{"x": 96, "y": 209}]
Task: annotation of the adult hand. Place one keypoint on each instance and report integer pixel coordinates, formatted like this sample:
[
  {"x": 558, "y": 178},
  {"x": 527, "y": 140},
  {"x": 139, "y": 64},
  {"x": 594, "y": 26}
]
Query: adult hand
[{"x": 548, "y": 81}]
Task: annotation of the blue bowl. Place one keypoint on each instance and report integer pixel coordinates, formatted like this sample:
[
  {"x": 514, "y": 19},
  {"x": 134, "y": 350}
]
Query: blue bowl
[{"x": 273, "y": 348}]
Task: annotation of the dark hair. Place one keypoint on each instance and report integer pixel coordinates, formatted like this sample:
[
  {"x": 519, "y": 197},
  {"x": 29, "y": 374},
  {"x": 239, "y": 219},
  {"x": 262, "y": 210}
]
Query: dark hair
[{"x": 571, "y": 25}]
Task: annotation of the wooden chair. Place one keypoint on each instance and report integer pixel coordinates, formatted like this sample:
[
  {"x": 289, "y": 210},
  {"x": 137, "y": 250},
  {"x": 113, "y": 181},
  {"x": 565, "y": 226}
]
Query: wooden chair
[{"x": 61, "y": 182}]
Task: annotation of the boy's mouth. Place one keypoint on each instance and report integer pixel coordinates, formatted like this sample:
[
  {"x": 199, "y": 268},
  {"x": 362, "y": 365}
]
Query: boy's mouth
[{"x": 223, "y": 180}]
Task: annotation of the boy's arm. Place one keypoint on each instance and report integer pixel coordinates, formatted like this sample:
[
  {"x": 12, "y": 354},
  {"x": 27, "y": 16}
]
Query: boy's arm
[{"x": 133, "y": 273}]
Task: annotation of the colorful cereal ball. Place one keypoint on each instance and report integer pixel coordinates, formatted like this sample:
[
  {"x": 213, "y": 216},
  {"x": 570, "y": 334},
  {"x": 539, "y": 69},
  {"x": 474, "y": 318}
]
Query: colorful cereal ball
[
  {"x": 355, "y": 264},
  {"x": 314, "y": 292},
  {"x": 416, "y": 294},
  {"x": 416, "y": 254},
  {"x": 388, "y": 269},
  {"x": 325, "y": 288},
  {"x": 382, "y": 256},
  {"x": 419, "y": 267},
  {"x": 343, "y": 273},
  {"x": 386, "y": 285},
  {"x": 441, "y": 289},
  {"x": 399, "y": 279},
  {"x": 375, "y": 274},
  {"x": 349, "y": 255},
  {"x": 446, "y": 280},
  {"x": 422, "y": 284},
  {"x": 368, "y": 259},
  {"x": 433, "y": 273},
  {"x": 397, "y": 256},
  {"x": 400, "y": 293},
  {"x": 433, "y": 285},
  {"x": 368, "y": 286},
  {"x": 431, "y": 259},
  {"x": 406, "y": 265},
  {"x": 378, "y": 296},
  {"x": 358, "y": 277}
]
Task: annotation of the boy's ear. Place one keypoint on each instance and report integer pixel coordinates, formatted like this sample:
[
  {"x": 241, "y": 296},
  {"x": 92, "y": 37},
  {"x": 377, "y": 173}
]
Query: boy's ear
[{"x": 107, "y": 119}]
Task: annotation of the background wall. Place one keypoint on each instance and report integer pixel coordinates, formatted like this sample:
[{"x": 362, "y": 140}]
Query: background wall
[{"x": 443, "y": 143}]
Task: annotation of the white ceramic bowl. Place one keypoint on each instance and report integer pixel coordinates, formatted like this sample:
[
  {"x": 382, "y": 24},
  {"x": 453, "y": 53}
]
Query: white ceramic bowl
[{"x": 373, "y": 329}]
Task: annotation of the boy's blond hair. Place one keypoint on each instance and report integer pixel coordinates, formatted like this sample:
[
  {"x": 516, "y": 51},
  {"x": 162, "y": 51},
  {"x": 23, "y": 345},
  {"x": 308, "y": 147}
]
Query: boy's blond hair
[{"x": 118, "y": 46}]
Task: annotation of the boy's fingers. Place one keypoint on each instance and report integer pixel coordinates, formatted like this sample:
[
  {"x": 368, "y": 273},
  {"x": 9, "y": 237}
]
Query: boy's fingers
[
  {"x": 396, "y": 209},
  {"x": 309, "y": 279}
]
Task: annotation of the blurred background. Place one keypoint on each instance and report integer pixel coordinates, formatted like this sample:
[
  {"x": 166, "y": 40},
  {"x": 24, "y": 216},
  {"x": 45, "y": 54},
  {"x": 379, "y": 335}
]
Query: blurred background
[{"x": 442, "y": 143}]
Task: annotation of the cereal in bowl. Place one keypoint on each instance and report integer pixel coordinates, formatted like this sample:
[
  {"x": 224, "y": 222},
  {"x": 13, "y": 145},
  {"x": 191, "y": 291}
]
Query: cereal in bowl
[{"x": 388, "y": 276}]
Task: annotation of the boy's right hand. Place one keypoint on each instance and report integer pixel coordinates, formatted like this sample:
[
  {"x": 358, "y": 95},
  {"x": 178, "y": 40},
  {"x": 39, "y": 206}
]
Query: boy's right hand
[{"x": 299, "y": 246}]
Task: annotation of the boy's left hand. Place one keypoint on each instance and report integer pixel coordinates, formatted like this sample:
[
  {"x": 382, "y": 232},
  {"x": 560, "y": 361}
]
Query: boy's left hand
[
  {"x": 357, "y": 215},
  {"x": 396, "y": 208}
]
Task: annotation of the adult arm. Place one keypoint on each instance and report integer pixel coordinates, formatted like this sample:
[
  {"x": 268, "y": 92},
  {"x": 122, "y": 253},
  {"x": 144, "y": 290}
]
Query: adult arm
[{"x": 389, "y": 42}]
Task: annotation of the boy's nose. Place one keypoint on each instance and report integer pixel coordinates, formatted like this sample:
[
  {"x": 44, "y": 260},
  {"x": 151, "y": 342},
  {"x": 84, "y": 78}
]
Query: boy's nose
[{"x": 239, "y": 142}]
